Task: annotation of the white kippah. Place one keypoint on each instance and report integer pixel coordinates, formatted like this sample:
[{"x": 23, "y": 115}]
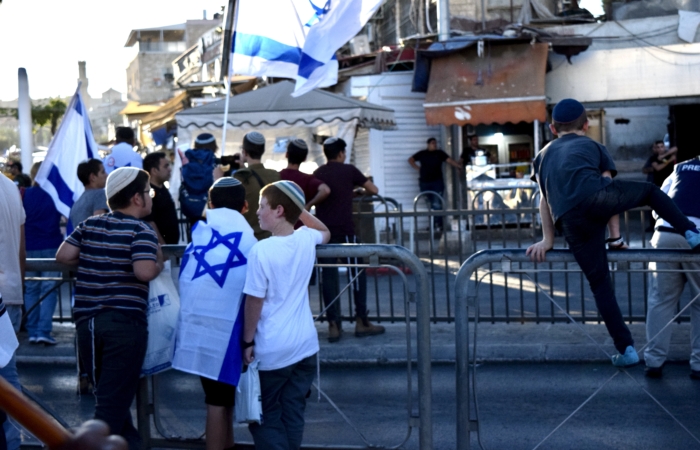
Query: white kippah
[
  {"x": 225, "y": 182},
  {"x": 119, "y": 179},
  {"x": 293, "y": 191},
  {"x": 255, "y": 138}
]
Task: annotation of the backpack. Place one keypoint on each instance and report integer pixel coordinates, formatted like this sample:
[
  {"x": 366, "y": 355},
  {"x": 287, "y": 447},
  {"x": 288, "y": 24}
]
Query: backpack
[{"x": 197, "y": 178}]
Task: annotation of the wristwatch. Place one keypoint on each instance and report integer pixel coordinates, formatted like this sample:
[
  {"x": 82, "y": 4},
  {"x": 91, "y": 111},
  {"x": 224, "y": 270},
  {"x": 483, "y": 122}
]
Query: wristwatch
[
  {"x": 245, "y": 345},
  {"x": 615, "y": 242}
]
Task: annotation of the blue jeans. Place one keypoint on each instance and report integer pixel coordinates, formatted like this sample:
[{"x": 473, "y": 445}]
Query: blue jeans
[
  {"x": 331, "y": 282},
  {"x": 584, "y": 230},
  {"x": 283, "y": 403},
  {"x": 9, "y": 373},
  {"x": 39, "y": 322},
  {"x": 433, "y": 201},
  {"x": 112, "y": 346}
]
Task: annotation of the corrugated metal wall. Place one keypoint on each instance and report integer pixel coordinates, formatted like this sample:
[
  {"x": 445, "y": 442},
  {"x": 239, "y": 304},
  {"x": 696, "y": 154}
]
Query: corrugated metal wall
[
  {"x": 360, "y": 154},
  {"x": 400, "y": 179},
  {"x": 388, "y": 151}
]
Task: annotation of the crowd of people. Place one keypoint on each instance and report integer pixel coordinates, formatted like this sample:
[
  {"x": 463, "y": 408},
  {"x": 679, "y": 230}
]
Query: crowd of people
[
  {"x": 245, "y": 274},
  {"x": 256, "y": 309}
]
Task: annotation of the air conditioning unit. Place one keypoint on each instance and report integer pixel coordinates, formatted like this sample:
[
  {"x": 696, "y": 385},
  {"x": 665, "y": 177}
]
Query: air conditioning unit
[{"x": 359, "y": 45}]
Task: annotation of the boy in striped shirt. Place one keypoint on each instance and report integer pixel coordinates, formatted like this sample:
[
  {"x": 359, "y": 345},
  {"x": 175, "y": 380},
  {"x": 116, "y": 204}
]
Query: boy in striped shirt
[{"x": 117, "y": 254}]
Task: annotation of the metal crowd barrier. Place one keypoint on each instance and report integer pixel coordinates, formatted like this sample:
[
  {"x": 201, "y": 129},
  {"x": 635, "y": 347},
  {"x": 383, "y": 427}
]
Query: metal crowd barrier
[
  {"x": 442, "y": 253},
  {"x": 514, "y": 261},
  {"x": 469, "y": 231},
  {"x": 377, "y": 256}
]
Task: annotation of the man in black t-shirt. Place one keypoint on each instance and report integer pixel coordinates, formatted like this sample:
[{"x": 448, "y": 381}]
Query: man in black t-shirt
[
  {"x": 336, "y": 213},
  {"x": 580, "y": 198},
  {"x": 163, "y": 217},
  {"x": 430, "y": 178}
]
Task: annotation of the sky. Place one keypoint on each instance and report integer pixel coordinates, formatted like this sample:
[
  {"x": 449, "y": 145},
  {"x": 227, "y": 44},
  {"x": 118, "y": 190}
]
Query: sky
[{"x": 49, "y": 37}]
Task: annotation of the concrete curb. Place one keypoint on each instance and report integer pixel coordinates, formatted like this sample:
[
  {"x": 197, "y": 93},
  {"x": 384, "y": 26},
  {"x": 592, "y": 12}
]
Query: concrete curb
[{"x": 500, "y": 342}]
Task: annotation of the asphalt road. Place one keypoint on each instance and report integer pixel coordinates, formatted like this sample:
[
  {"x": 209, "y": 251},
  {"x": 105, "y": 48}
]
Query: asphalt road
[{"x": 519, "y": 404}]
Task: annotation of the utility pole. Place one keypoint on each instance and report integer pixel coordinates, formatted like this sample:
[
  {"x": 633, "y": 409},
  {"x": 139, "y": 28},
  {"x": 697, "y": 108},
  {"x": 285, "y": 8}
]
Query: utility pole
[
  {"x": 24, "y": 109},
  {"x": 227, "y": 38},
  {"x": 443, "y": 14}
]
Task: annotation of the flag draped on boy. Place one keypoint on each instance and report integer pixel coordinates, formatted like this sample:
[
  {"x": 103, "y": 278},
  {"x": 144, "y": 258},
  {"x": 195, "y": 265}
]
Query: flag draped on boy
[
  {"x": 296, "y": 38},
  {"x": 212, "y": 275},
  {"x": 72, "y": 144}
]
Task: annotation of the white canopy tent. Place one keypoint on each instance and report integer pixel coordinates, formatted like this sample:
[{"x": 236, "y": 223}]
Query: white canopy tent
[{"x": 272, "y": 111}]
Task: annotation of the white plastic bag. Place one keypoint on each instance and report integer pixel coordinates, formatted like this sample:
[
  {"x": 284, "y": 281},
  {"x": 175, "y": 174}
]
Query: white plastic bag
[
  {"x": 163, "y": 311},
  {"x": 248, "y": 396},
  {"x": 8, "y": 338}
]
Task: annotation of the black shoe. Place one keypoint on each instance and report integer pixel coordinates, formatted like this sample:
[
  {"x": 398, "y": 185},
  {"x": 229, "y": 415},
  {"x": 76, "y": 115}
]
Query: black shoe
[
  {"x": 654, "y": 372},
  {"x": 695, "y": 374}
]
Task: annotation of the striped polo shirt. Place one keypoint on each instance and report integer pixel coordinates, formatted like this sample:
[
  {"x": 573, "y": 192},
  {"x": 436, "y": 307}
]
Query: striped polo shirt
[{"x": 109, "y": 245}]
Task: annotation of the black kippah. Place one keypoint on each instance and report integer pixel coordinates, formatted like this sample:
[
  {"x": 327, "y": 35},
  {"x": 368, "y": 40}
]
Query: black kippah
[{"x": 567, "y": 111}]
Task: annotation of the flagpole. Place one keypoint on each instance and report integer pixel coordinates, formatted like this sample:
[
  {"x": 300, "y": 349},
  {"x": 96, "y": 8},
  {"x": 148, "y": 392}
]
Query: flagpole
[{"x": 227, "y": 56}]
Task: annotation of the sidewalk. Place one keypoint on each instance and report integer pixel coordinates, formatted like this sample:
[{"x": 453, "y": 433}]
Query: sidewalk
[{"x": 495, "y": 342}]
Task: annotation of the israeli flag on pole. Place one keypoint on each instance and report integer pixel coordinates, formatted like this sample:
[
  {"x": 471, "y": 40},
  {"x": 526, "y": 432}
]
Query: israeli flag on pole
[
  {"x": 72, "y": 144},
  {"x": 212, "y": 276},
  {"x": 296, "y": 39}
]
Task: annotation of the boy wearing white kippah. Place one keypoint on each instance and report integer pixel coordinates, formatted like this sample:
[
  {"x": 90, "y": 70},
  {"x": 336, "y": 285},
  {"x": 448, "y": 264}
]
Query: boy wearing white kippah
[
  {"x": 279, "y": 329},
  {"x": 117, "y": 255}
]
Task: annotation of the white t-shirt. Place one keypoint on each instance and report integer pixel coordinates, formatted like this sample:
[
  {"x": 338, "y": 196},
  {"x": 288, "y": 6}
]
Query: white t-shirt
[
  {"x": 12, "y": 217},
  {"x": 123, "y": 155},
  {"x": 279, "y": 269}
]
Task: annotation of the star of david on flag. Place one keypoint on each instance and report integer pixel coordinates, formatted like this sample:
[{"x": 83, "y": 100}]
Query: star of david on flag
[
  {"x": 218, "y": 270},
  {"x": 296, "y": 39},
  {"x": 212, "y": 276}
]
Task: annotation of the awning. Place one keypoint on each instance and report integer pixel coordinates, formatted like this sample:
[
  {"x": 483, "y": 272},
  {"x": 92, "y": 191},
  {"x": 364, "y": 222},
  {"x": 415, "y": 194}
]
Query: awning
[
  {"x": 135, "y": 108},
  {"x": 503, "y": 84},
  {"x": 166, "y": 113},
  {"x": 274, "y": 107}
]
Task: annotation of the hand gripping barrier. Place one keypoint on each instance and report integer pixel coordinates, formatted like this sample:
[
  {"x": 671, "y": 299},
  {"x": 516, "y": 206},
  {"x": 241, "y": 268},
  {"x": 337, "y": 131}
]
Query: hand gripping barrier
[
  {"x": 373, "y": 253},
  {"x": 465, "y": 300}
]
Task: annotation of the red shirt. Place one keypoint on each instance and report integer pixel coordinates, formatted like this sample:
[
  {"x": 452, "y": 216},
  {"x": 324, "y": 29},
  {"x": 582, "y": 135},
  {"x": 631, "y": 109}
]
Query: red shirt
[{"x": 308, "y": 183}]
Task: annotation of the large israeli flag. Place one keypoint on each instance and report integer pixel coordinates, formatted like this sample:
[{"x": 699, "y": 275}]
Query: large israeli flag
[
  {"x": 296, "y": 39},
  {"x": 212, "y": 275},
  {"x": 72, "y": 144}
]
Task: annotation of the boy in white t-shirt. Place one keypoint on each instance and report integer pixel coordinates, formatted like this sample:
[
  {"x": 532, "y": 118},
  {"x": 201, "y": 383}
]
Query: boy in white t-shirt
[{"x": 279, "y": 329}]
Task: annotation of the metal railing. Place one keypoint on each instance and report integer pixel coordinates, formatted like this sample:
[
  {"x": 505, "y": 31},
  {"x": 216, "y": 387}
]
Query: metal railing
[
  {"x": 466, "y": 232},
  {"x": 514, "y": 261},
  {"x": 377, "y": 256}
]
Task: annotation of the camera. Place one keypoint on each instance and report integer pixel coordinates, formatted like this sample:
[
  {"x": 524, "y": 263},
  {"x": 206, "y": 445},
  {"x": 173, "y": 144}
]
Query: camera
[{"x": 234, "y": 161}]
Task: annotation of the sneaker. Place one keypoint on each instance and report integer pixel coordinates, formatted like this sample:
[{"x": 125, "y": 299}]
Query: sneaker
[
  {"x": 364, "y": 328},
  {"x": 33, "y": 340},
  {"x": 654, "y": 372},
  {"x": 46, "y": 340},
  {"x": 695, "y": 374},
  {"x": 628, "y": 359},
  {"x": 693, "y": 238}
]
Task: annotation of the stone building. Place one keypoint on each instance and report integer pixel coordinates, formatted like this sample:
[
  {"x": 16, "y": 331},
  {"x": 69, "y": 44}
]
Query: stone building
[{"x": 150, "y": 73}]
